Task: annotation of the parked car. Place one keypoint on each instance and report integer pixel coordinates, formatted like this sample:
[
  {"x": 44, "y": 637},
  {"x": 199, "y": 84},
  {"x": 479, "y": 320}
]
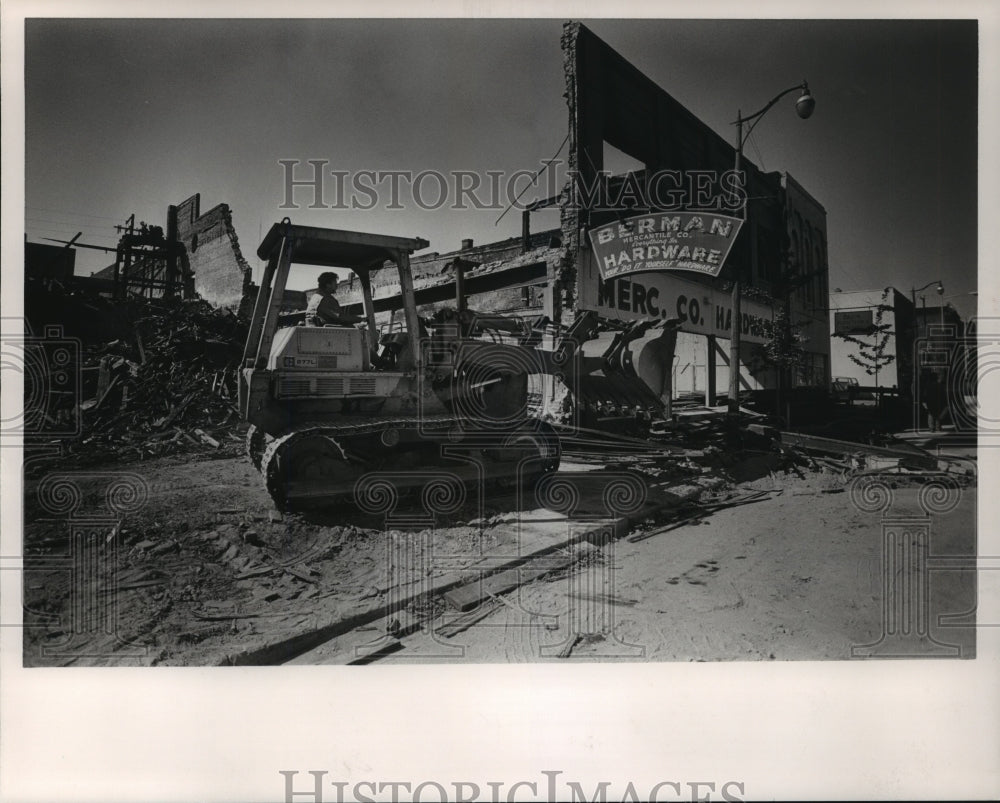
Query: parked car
[{"x": 848, "y": 389}]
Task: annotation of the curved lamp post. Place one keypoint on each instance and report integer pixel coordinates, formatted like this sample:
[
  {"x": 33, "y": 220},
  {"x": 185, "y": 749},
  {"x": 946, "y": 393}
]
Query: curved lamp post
[
  {"x": 917, "y": 368},
  {"x": 804, "y": 108},
  {"x": 915, "y": 290},
  {"x": 940, "y": 292}
]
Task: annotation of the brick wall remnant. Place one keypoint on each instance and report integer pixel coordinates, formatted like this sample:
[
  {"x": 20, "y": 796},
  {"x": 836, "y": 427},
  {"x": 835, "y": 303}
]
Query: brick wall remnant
[{"x": 221, "y": 274}]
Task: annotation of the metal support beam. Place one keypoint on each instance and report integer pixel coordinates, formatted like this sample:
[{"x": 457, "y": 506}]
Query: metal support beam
[
  {"x": 270, "y": 319},
  {"x": 366, "y": 292},
  {"x": 409, "y": 307},
  {"x": 259, "y": 310},
  {"x": 710, "y": 364},
  {"x": 172, "y": 245},
  {"x": 460, "y": 298},
  {"x": 533, "y": 274}
]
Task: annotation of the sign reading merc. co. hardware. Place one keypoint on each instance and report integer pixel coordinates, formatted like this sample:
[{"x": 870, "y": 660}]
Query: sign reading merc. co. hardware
[{"x": 696, "y": 241}]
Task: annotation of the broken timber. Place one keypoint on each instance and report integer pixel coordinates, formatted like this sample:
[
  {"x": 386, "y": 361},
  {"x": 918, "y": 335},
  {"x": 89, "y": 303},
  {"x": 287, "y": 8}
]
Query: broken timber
[
  {"x": 470, "y": 596},
  {"x": 907, "y": 454}
]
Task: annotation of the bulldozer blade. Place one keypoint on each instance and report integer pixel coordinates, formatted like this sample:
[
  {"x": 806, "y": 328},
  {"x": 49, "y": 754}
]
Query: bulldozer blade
[
  {"x": 629, "y": 369},
  {"x": 651, "y": 358}
]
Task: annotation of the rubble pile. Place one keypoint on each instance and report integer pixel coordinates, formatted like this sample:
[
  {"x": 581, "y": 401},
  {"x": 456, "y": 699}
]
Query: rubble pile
[{"x": 170, "y": 386}]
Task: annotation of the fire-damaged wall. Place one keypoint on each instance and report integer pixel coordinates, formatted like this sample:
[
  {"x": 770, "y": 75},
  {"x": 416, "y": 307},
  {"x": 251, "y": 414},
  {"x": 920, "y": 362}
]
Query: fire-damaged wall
[
  {"x": 686, "y": 162},
  {"x": 212, "y": 250},
  {"x": 686, "y": 167},
  {"x": 505, "y": 277}
]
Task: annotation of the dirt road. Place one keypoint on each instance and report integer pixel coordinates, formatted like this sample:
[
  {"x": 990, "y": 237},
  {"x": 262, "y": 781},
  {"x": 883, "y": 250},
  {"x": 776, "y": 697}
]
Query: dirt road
[
  {"x": 204, "y": 569},
  {"x": 192, "y": 563},
  {"x": 795, "y": 577}
]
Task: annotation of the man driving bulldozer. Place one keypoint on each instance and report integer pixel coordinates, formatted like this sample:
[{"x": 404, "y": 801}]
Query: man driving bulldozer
[{"x": 324, "y": 309}]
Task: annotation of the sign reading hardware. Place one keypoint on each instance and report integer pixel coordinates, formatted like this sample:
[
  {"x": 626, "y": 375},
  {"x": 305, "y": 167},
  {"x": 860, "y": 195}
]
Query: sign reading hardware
[{"x": 695, "y": 241}]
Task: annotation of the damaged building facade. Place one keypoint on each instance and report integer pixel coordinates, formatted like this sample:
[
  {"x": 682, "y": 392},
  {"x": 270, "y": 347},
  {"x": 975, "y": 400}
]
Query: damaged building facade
[
  {"x": 212, "y": 252},
  {"x": 511, "y": 277},
  {"x": 198, "y": 255},
  {"x": 780, "y": 254},
  {"x": 784, "y": 233}
]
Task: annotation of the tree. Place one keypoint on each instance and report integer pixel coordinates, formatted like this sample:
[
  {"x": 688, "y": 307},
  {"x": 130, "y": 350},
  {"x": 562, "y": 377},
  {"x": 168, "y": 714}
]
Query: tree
[
  {"x": 872, "y": 345},
  {"x": 783, "y": 349}
]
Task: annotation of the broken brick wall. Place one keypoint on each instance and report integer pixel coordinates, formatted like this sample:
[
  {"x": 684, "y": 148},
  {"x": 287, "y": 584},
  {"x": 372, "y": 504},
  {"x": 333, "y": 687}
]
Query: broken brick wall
[
  {"x": 611, "y": 102},
  {"x": 221, "y": 274},
  {"x": 496, "y": 256},
  {"x": 516, "y": 298}
]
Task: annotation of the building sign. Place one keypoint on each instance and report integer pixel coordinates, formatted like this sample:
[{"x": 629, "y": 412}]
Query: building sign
[
  {"x": 696, "y": 241},
  {"x": 855, "y": 322},
  {"x": 700, "y": 308}
]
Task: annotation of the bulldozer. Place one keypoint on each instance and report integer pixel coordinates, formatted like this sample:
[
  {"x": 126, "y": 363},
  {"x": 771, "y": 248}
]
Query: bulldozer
[
  {"x": 328, "y": 405},
  {"x": 621, "y": 378}
]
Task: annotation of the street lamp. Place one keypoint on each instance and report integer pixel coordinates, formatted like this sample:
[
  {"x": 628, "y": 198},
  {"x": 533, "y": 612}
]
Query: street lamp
[
  {"x": 913, "y": 299},
  {"x": 804, "y": 108},
  {"x": 922, "y": 346}
]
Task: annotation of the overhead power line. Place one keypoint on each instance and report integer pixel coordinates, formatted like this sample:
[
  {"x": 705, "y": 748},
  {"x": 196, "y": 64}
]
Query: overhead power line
[
  {"x": 68, "y": 212},
  {"x": 46, "y": 224}
]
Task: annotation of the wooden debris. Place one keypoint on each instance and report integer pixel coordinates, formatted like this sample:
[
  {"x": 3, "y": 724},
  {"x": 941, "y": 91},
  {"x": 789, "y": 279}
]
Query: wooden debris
[
  {"x": 298, "y": 574},
  {"x": 468, "y": 619},
  {"x": 173, "y": 368},
  {"x": 226, "y": 616},
  {"x": 906, "y": 454},
  {"x": 391, "y": 645},
  {"x": 258, "y": 571},
  {"x": 207, "y": 438},
  {"x": 133, "y": 582},
  {"x": 471, "y": 595},
  {"x": 133, "y": 586},
  {"x": 568, "y": 647},
  {"x": 107, "y": 392},
  {"x": 702, "y": 510}
]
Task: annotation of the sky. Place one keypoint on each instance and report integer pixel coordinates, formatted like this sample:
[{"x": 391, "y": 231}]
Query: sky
[{"x": 128, "y": 116}]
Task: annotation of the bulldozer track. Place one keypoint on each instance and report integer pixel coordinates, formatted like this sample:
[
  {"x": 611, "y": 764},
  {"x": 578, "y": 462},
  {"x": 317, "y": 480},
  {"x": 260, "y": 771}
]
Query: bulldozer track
[{"x": 333, "y": 433}]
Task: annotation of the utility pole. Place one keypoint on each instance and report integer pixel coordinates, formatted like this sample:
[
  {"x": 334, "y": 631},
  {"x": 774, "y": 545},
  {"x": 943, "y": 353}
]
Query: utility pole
[
  {"x": 735, "y": 341},
  {"x": 123, "y": 256},
  {"x": 172, "y": 247},
  {"x": 804, "y": 108}
]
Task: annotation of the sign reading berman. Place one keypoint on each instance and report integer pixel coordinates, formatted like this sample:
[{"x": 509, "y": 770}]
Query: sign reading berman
[{"x": 696, "y": 241}]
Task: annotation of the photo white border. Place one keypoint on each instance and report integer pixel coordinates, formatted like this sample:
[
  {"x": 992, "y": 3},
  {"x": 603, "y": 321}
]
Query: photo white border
[{"x": 787, "y": 730}]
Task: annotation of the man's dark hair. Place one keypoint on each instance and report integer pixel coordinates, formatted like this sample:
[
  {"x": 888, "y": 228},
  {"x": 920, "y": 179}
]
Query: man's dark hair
[{"x": 326, "y": 278}]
